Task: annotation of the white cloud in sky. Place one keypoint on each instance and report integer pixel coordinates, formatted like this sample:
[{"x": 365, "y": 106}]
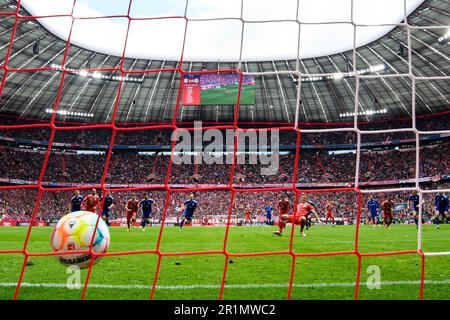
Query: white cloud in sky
[{"x": 221, "y": 40}]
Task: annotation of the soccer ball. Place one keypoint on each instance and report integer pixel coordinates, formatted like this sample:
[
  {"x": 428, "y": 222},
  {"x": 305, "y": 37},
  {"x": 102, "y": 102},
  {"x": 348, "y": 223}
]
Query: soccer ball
[{"x": 74, "y": 232}]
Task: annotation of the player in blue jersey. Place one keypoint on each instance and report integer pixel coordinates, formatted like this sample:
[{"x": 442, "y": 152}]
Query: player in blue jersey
[
  {"x": 441, "y": 207},
  {"x": 107, "y": 207},
  {"x": 269, "y": 210},
  {"x": 75, "y": 202},
  {"x": 413, "y": 204},
  {"x": 373, "y": 206},
  {"x": 146, "y": 206},
  {"x": 189, "y": 208}
]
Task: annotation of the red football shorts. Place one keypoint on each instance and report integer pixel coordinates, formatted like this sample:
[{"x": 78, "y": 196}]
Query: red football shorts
[
  {"x": 389, "y": 216},
  {"x": 297, "y": 219},
  {"x": 130, "y": 215}
]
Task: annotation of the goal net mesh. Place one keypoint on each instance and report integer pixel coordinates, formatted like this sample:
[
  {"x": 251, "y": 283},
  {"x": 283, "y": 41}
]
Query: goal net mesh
[{"x": 54, "y": 126}]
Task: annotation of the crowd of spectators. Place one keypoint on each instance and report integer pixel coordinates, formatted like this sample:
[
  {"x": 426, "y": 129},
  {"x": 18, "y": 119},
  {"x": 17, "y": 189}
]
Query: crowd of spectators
[
  {"x": 87, "y": 137},
  {"x": 130, "y": 167},
  {"x": 136, "y": 168}
]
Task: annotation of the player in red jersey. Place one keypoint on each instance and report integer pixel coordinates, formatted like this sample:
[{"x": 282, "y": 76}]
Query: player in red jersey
[
  {"x": 248, "y": 215},
  {"x": 330, "y": 215},
  {"x": 387, "y": 206},
  {"x": 304, "y": 209},
  {"x": 283, "y": 208},
  {"x": 131, "y": 208},
  {"x": 91, "y": 202}
]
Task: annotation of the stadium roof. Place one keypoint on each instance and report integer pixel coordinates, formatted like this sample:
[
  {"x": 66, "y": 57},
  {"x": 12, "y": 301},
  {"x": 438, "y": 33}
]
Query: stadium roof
[
  {"x": 91, "y": 96},
  {"x": 213, "y": 28}
]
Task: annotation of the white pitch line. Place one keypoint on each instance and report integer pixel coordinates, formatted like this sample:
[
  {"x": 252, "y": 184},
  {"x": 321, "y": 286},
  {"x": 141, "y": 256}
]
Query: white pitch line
[{"x": 229, "y": 286}]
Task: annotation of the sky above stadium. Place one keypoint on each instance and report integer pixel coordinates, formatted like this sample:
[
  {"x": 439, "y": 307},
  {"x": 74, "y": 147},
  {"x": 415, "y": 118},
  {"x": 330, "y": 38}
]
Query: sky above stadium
[{"x": 325, "y": 26}]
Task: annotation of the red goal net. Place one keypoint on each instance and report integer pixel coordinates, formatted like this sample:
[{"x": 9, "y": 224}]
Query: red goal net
[{"x": 232, "y": 186}]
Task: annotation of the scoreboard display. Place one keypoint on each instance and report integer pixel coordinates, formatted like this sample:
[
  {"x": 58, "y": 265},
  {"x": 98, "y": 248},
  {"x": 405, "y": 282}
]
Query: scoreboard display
[
  {"x": 218, "y": 89},
  {"x": 191, "y": 90},
  {"x": 400, "y": 207}
]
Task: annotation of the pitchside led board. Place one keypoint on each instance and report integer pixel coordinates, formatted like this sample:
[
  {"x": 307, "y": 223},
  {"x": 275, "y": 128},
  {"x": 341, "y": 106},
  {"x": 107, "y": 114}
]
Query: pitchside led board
[
  {"x": 400, "y": 207},
  {"x": 217, "y": 89}
]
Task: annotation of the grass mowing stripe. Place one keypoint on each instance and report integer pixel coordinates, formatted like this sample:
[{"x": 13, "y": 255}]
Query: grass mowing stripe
[{"x": 230, "y": 286}]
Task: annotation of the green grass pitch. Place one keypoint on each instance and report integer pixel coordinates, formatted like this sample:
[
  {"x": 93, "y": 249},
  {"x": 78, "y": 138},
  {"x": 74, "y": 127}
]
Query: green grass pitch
[
  {"x": 261, "y": 277},
  {"x": 228, "y": 95}
]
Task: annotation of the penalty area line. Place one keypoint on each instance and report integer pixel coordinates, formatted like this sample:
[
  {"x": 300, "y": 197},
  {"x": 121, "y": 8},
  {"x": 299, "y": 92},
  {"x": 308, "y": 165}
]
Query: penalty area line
[{"x": 229, "y": 286}]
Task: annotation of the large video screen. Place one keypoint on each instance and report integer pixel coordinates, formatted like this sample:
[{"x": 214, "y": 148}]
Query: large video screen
[{"x": 217, "y": 89}]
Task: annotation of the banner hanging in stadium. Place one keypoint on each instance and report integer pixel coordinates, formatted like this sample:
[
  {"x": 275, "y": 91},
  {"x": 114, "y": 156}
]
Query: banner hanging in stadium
[{"x": 217, "y": 89}]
